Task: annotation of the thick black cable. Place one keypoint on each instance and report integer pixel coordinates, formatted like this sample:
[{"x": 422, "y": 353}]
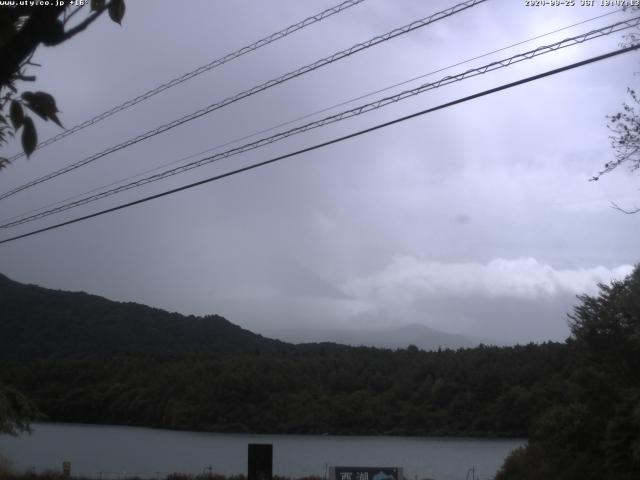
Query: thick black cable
[
  {"x": 330, "y": 142},
  {"x": 297, "y": 119},
  {"x": 198, "y": 71},
  {"x": 254, "y": 90},
  {"x": 359, "y": 110}
]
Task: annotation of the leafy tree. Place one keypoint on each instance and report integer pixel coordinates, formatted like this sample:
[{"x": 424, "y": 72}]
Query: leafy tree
[
  {"x": 607, "y": 328},
  {"x": 16, "y": 411},
  {"x": 23, "y": 28},
  {"x": 594, "y": 432}
]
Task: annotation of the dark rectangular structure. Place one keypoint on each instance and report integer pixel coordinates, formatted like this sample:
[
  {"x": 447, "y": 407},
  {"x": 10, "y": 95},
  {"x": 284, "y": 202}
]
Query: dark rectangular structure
[{"x": 260, "y": 464}]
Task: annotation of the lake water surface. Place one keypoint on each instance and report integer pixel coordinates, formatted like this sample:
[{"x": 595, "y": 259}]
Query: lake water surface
[{"x": 114, "y": 452}]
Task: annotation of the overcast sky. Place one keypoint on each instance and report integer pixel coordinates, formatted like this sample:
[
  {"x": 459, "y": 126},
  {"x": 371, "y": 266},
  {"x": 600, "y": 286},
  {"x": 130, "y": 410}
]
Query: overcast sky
[{"x": 477, "y": 219}]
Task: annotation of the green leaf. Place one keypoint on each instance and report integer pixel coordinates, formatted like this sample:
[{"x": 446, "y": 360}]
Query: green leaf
[
  {"x": 116, "y": 10},
  {"x": 97, "y": 5},
  {"x": 3, "y": 119},
  {"x": 42, "y": 104},
  {"x": 16, "y": 113},
  {"x": 29, "y": 136}
]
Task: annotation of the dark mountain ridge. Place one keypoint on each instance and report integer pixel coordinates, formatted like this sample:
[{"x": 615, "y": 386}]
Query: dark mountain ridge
[{"x": 37, "y": 322}]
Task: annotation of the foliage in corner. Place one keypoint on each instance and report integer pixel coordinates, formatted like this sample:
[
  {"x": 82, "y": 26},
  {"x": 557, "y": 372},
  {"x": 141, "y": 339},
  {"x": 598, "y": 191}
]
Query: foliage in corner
[
  {"x": 595, "y": 433},
  {"x": 625, "y": 129},
  {"x": 16, "y": 411},
  {"x": 625, "y": 140},
  {"x": 23, "y": 28}
]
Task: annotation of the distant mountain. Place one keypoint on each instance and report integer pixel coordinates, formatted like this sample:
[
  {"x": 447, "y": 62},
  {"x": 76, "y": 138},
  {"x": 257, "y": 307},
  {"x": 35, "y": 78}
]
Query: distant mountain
[
  {"x": 423, "y": 337},
  {"x": 38, "y": 322}
]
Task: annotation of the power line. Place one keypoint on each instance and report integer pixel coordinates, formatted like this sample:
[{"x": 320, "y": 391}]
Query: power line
[
  {"x": 337, "y": 117},
  {"x": 259, "y": 88},
  {"x": 331, "y": 142},
  {"x": 303, "y": 117},
  {"x": 198, "y": 71}
]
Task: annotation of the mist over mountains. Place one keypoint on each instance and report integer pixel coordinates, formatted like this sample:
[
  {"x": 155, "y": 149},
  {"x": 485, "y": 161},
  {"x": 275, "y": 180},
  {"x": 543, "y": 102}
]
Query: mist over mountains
[{"x": 422, "y": 336}]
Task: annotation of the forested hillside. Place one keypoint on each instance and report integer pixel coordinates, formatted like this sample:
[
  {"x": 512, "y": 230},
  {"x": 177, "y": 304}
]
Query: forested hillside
[
  {"x": 82, "y": 358},
  {"x": 315, "y": 389},
  {"x": 37, "y": 322},
  {"x": 578, "y": 402}
]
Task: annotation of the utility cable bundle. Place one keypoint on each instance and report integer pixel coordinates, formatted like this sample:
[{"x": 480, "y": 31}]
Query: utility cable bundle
[
  {"x": 618, "y": 26},
  {"x": 198, "y": 71},
  {"x": 252, "y": 91},
  {"x": 330, "y": 142}
]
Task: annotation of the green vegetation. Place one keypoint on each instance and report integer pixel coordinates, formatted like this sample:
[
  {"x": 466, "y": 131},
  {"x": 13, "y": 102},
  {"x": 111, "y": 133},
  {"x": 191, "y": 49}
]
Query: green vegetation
[
  {"x": 314, "y": 389},
  {"x": 23, "y": 28},
  {"x": 82, "y": 358},
  {"x": 37, "y": 322},
  {"x": 578, "y": 402},
  {"x": 16, "y": 411},
  {"x": 595, "y": 432}
]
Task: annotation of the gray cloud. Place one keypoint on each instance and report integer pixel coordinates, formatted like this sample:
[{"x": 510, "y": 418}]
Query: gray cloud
[
  {"x": 510, "y": 299},
  {"x": 372, "y": 231}
]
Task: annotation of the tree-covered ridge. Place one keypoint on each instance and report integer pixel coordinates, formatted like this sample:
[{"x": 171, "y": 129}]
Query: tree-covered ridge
[
  {"x": 578, "y": 402},
  {"x": 314, "y": 389},
  {"x": 37, "y": 322},
  {"x": 82, "y": 358}
]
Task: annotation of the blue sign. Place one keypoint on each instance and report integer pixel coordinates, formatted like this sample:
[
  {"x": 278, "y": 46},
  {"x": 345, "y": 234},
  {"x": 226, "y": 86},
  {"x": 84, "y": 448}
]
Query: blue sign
[{"x": 366, "y": 473}]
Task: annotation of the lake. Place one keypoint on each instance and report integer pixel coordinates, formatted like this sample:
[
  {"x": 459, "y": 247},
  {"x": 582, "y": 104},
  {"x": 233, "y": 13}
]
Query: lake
[{"x": 113, "y": 452}]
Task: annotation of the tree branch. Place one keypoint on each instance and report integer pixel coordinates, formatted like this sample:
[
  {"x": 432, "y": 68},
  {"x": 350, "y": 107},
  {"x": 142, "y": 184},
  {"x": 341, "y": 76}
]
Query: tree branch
[
  {"x": 26, "y": 78},
  {"x": 628, "y": 212},
  {"x": 68, "y": 17},
  {"x": 82, "y": 25},
  {"x": 25, "y": 41}
]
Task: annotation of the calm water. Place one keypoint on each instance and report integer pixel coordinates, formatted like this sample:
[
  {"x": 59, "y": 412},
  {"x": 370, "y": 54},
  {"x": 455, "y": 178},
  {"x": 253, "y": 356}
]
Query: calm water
[{"x": 113, "y": 452}]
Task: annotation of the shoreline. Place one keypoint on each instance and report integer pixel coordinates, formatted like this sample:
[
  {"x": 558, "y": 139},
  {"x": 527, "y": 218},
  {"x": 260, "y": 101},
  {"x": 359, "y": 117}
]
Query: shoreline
[{"x": 435, "y": 435}]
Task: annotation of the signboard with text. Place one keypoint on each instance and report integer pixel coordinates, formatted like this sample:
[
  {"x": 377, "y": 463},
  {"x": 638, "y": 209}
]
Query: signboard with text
[{"x": 366, "y": 473}]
